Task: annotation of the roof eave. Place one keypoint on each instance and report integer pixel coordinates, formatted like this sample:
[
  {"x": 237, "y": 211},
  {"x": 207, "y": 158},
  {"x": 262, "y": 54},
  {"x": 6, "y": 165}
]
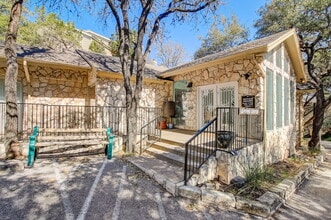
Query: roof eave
[{"x": 257, "y": 50}]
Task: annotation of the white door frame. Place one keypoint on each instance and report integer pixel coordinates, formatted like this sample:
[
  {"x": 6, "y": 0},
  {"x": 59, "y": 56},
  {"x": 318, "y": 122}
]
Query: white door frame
[{"x": 216, "y": 98}]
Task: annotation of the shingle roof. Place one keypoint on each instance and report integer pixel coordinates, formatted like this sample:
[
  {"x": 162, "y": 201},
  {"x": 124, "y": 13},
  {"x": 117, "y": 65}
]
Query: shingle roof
[
  {"x": 47, "y": 55},
  {"x": 253, "y": 45},
  {"x": 112, "y": 64},
  {"x": 78, "y": 58}
]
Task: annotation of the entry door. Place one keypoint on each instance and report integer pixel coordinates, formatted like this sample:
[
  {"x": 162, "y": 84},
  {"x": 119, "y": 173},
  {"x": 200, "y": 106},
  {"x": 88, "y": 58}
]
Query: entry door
[
  {"x": 206, "y": 104},
  {"x": 212, "y": 96},
  {"x": 227, "y": 98}
]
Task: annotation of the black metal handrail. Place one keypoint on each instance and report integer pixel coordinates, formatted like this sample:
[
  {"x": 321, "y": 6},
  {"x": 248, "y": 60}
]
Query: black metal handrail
[
  {"x": 73, "y": 116},
  {"x": 199, "y": 148},
  {"x": 238, "y": 128},
  {"x": 151, "y": 129}
]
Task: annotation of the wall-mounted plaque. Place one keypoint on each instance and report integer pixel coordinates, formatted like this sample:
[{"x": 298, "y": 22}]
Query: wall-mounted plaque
[{"x": 248, "y": 101}]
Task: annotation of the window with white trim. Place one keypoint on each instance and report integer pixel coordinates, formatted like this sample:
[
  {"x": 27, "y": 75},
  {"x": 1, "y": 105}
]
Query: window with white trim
[
  {"x": 279, "y": 100},
  {"x": 270, "y": 99}
]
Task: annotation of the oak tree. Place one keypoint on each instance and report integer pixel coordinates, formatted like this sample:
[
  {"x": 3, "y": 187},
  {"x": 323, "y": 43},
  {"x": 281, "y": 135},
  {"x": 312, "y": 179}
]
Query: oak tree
[{"x": 312, "y": 20}]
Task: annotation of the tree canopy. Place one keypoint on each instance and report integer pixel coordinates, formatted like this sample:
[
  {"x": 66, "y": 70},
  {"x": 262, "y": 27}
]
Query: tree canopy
[
  {"x": 37, "y": 28},
  {"x": 312, "y": 20},
  {"x": 224, "y": 33}
]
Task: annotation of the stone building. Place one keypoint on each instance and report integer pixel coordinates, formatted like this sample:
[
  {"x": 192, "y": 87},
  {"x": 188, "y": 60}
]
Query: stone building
[
  {"x": 259, "y": 75},
  {"x": 257, "y": 80},
  {"x": 52, "y": 80}
]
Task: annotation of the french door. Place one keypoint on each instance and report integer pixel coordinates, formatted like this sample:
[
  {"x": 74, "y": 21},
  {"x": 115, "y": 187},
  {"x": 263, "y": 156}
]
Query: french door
[{"x": 212, "y": 96}]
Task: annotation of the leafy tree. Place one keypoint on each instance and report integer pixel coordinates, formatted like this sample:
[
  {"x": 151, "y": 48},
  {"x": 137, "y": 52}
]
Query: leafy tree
[
  {"x": 223, "y": 34},
  {"x": 146, "y": 18},
  {"x": 42, "y": 29},
  {"x": 170, "y": 54},
  {"x": 49, "y": 31},
  {"x": 312, "y": 20},
  {"x": 4, "y": 17},
  {"x": 11, "y": 143},
  {"x": 115, "y": 42},
  {"x": 96, "y": 47}
]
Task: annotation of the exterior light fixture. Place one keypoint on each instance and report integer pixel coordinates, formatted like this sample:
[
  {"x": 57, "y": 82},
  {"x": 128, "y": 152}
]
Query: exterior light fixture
[{"x": 246, "y": 75}]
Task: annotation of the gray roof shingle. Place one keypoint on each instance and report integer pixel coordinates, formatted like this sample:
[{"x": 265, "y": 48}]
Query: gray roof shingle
[
  {"x": 231, "y": 51},
  {"x": 76, "y": 58}
]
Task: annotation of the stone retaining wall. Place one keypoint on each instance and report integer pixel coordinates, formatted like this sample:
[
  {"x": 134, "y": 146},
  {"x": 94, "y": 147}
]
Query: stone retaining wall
[{"x": 230, "y": 166}]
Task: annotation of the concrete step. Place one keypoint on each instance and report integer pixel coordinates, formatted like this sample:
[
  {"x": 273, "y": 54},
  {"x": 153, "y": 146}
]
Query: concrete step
[
  {"x": 71, "y": 154},
  {"x": 180, "y": 151},
  {"x": 69, "y": 143},
  {"x": 72, "y": 151},
  {"x": 166, "y": 156},
  {"x": 171, "y": 142},
  {"x": 70, "y": 138}
]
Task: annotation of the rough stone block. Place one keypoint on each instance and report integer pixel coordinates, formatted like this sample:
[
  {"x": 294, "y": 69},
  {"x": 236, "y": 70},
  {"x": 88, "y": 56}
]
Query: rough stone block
[
  {"x": 160, "y": 179},
  {"x": 203, "y": 171},
  {"x": 193, "y": 181},
  {"x": 253, "y": 207},
  {"x": 219, "y": 198},
  {"x": 273, "y": 200},
  {"x": 171, "y": 187},
  {"x": 190, "y": 192},
  {"x": 212, "y": 168}
]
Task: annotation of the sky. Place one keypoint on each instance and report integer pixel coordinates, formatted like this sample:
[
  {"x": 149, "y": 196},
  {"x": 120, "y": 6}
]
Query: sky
[{"x": 185, "y": 34}]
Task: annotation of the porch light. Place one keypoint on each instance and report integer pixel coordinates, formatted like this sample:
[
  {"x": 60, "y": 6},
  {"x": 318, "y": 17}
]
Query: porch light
[{"x": 246, "y": 75}]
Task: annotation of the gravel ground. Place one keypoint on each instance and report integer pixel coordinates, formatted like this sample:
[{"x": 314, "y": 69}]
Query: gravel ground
[{"x": 95, "y": 188}]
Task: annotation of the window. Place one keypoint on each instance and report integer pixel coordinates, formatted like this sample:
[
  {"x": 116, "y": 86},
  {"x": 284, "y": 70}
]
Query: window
[
  {"x": 19, "y": 91},
  {"x": 270, "y": 99},
  {"x": 270, "y": 56},
  {"x": 279, "y": 100},
  {"x": 2, "y": 90},
  {"x": 292, "y": 97},
  {"x": 279, "y": 57},
  {"x": 286, "y": 64},
  {"x": 286, "y": 101}
]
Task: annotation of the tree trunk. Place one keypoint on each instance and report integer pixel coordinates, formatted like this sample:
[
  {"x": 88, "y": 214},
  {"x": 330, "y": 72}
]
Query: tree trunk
[
  {"x": 11, "y": 143},
  {"x": 319, "y": 109},
  {"x": 131, "y": 123}
]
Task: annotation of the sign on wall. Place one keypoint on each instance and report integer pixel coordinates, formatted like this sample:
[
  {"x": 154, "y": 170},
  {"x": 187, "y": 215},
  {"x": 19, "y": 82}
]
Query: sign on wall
[{"x": 248, "y": 101}]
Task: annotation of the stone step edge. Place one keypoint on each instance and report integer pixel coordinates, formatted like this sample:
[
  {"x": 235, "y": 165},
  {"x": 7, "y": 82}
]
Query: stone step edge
[{"x": 265, "y": 206}]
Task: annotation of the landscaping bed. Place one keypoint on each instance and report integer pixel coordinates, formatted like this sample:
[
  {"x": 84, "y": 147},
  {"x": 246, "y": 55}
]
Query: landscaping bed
[{"x": 260, "y": 180}]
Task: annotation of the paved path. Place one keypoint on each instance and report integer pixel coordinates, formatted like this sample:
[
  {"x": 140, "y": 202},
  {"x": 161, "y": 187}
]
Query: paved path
[
  {"x": 94, "y": 188},
  {"x": 313, "y": 199}
]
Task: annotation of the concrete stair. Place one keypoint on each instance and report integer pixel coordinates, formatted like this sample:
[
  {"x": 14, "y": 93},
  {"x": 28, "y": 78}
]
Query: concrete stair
[
  {"x": 70, "y": 143},
  {"x": 171, "y": 151}
]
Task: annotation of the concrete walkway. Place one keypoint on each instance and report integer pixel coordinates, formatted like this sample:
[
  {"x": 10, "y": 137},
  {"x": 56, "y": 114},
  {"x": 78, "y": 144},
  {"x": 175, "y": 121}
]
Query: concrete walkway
[{"x": 313, "y": 199}]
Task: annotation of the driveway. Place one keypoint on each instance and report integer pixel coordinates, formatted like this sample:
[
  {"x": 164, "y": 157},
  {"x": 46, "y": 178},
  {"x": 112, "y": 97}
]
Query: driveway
[
  {"x": 313, "y": 199},
  {"x": 95, "y": 188}
]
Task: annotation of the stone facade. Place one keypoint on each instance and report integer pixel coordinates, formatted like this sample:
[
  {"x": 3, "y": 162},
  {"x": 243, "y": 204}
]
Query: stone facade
[
  {"x": 110, "y": 91},
  {"x": 54, "y": 86},
  {"x": 230, "y": 166},
  {"x": 232, "y": 71}
]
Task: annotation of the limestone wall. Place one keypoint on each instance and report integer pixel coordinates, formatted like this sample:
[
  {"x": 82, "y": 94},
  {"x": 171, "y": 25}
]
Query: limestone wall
[
  {"x": 56, "y": 86},
  {"x": 230, "y": 166},
  {"x": 110, "y": 91},
  {"x": 231, "y": 71}
]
